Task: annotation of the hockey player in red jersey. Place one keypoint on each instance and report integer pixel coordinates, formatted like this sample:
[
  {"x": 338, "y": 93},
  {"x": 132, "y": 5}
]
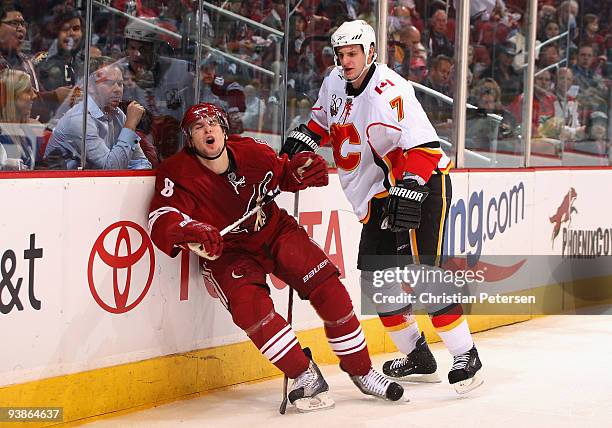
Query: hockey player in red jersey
[
  {"x": 396, "y": 176},
  {"x": 215, "y": 180}
]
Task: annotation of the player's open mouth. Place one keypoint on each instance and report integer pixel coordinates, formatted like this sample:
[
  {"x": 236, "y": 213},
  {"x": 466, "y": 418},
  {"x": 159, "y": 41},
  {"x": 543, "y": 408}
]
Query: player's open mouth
[{"x": 210, "y": 140}]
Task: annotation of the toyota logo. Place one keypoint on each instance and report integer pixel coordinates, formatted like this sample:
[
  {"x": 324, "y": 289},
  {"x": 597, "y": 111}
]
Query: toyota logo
[{"x": 125, "y": 263}]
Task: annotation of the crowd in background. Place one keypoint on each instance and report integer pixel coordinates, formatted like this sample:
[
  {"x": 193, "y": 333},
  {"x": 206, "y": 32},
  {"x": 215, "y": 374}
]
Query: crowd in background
[{"x": 144, "y": 73}]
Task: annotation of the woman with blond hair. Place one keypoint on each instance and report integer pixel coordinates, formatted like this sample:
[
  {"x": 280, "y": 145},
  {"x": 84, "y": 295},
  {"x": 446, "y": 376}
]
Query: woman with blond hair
[{"x": 16, "y": 99}]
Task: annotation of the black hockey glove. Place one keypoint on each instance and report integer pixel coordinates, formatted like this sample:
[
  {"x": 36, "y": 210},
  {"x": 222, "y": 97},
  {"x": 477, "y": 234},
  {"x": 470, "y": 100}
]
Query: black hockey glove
[
  {"x": 404, "y": 205},
  {"x": 301, "y": 139}
]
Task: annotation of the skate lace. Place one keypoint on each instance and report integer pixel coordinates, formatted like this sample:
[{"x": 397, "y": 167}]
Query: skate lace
[
  {"x": 460, "y": 361},
  {"x": 398, "y": 362},
  {"x": 305, "y": 379},
  {"x": 375, "y": 382}
]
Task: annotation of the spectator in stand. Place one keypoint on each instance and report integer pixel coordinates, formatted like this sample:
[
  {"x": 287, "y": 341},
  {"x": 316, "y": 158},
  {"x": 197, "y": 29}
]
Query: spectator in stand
[
  {"x": 111, "y": 141},
  {"x": 546, "y": 14},
  {"x": 411, "y": 37},
  {"x": 276, "y": 17},
  {"x": 16, "y": 99},
  {"x": 543, "y": 102},
  {"x": 566, "y": 124},
  {"x": 255, "y": 108},
  {"x": 327, "y": 61},
  {"x": 13, "y": 29},
  {"x": 593, "y": 90},
  {"x": 551, "y": 29},
  {"x": 162, "y": 84},
  {"x": 502, "y": 70},
  {"x": 215, "y": 89},
  {"x": 306, "y": 78},
  {"x": 439, "y": 112},
  {"x": 234, "y": 35},
  {"x": 486, "y": 95},
  {"x": 62, "y": 65},
  {"x": 304, "y": 107},
  {"x": 549, "y": 55},
  {"x": 399, "y": 19},
  {"x": 434, "y": 38},
  {"x": 590, "y": 33},
  {"x": 567, "y": 12},
  {"x": 337, "y": 11}
]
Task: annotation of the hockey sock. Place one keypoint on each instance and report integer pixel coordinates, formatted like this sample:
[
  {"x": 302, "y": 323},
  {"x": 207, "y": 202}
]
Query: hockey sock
[
  {"x": 342, "y": 328},
  {"x": 452, "y": 327},
  {"x": 403, "y": 330},
  {"x": 253, "y": 311}
]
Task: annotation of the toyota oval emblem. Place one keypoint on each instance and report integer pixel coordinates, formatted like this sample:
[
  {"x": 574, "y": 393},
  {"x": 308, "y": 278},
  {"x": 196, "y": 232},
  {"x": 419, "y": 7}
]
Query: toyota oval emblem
[{"x": 125, "y": 263}]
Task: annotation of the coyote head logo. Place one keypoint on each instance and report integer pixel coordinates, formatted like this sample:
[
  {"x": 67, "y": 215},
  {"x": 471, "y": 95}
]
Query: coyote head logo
[{"x": 564, "y": 212}]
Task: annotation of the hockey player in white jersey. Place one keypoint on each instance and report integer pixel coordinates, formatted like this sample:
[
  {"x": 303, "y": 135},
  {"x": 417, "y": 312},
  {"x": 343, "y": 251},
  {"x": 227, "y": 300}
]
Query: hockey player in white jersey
[{"x": 396, "y": 176}]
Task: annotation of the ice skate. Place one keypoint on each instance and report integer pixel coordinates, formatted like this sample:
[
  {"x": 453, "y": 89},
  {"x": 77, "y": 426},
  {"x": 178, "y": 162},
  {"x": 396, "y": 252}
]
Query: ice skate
[
  {"x": 308, "y": 391},
  {"x": 379, "y": 386},
  {"x": 418, "y": 366},
  {"x": 464, "y": 374}
]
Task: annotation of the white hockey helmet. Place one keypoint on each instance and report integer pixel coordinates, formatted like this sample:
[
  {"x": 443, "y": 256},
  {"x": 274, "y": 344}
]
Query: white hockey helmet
[
  {"x": 138, "y": 31},
  {"x": 356, "y": 32}
]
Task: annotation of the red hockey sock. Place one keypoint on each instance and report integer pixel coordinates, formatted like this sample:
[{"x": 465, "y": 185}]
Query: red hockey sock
[
  {"x": 344, "y": 333},
  {"x": 253, "y": 311}
]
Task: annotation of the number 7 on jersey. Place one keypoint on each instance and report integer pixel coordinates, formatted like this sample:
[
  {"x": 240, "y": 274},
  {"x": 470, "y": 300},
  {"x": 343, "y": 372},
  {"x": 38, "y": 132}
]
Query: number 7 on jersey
[{"x": 398, "y": 104}]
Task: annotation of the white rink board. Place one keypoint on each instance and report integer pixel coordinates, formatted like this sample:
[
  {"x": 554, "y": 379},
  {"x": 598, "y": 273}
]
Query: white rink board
[{"x": 72, "y": 332}]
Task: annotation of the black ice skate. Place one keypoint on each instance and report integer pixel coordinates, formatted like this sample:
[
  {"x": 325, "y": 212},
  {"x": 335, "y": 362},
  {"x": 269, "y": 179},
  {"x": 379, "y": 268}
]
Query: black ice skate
[
  {"x": 418, "y": 366},
  {"x": 464, "y": 375},
  {"x": 308, "y": 391},
  {"x": 379, "y": 386}
]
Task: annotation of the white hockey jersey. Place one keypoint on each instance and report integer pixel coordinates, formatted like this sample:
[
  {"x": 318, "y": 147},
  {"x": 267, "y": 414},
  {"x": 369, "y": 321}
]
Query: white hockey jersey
[{"x": 370, "y": 131}]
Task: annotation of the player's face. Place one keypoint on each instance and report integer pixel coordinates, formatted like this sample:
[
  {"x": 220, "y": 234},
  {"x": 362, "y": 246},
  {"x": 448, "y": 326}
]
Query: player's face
[
  {"x": 207, "y": 136},
  {"x": 140, "y": 54},
  {"x": 352, "y": 60}
]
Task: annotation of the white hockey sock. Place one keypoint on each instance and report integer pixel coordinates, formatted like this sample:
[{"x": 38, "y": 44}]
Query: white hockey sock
[
  {"x": 406, "y": 337},
  {"x": 458, "y": 340}
]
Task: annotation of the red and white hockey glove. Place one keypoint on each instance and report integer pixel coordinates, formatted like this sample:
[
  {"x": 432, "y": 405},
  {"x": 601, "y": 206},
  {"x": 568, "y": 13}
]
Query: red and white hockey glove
[
  {"x": 203, "y": 239},
  {"x": 305, "y": 169}
]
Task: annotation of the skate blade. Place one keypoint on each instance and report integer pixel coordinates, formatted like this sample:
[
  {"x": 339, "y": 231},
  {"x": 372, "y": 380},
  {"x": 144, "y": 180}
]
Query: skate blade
[
  {"x": 418, "y": 378},
  {"x": 468, "y": 385},
  {"x": 318, "y": 402}
]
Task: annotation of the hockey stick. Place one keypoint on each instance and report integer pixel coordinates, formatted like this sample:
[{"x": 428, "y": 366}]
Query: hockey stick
[
  {"x": 283, "y": 406},
  {"x": 199, "y": 248}
]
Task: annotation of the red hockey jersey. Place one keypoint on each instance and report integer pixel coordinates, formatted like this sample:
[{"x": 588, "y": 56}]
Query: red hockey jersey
[{"x": 185, "y": 189}]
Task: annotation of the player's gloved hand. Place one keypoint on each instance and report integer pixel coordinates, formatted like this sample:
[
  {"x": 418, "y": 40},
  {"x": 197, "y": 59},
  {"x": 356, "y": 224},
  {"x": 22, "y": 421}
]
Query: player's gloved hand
[
  {"x": 301, "y": 139},
  {"x": 404, "y": 205},
  {"x": 207, "y": 239},
  {"x": 305, "y": 169}
]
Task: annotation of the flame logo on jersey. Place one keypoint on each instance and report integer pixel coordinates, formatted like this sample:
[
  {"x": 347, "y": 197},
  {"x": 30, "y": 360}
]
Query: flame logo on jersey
[{"x": 336, "y": 103}]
